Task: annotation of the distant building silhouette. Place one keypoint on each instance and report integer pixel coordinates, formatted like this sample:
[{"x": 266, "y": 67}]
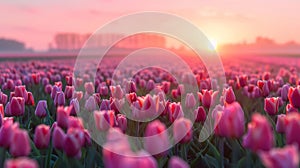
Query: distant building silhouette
[
  {"x": 11, "y": 45},
  {"x": 74, "y": 41}
]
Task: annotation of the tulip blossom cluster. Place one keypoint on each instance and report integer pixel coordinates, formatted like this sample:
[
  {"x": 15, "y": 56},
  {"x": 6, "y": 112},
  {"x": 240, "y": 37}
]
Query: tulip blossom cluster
[{"x": 52, "y": 117}]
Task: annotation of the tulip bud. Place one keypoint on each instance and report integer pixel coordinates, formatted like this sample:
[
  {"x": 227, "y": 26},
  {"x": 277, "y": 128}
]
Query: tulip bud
[
  {"x": 21, "y": 162},
  {"x": 41, "y": 109},
  {"x": 48, "y": 89},
  {"x": 281, "y": 123},
  {"x": 292, "y": 129},
  {"x": 75, "y": 107},
  {"x": 21, "y": 143},
  {"x": 58, "y": 138},
  {"x": 190, "y": 101},
  {"x": 89, "y": 88},
  {"x": 230, "y": 121},
  {"x": 182, "y": 130},
  {"x": 6, "y": 133},
  {"x": 62, "y": 116},
  {"x": 284, "y": 92},
  {"x": 122, "y": 122},
  {"x": 59, "y": 99},
  {"x": 91, "y": 104},
  {"x": 229, "y": 95},
  {"x": 72, "y": 146},
  {"x": 116, "y": 92},
  {"x": 175, "y": 111},
  {"x": 16, "y": 107},
  {"x": 177, "y": 162},
  {"x": 259, "y": 127},
  {"x": 104, "y": 119},
  {"x": 42, "y": 136},
  {"x": 69, "y": 91},
  {"x": 294, "y": 96},
  {"x": 287, "y": 156},
  {"x": 156, "y": 139},
  {"x": 271, "y": 105},
  {"x": 200, "y": 114}
]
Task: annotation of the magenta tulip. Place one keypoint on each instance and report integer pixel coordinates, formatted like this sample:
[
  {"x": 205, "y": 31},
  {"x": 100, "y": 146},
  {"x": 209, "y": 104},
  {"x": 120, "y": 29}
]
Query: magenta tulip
[
  {"x": 156, "y": 140},
  {"x": 42, "y": 136},
  {"x": 259, "y": 127},
  {"x": 41, "y": 109},
  {"x": 21, "y": 162},
  {"x": 281, "y": 157},
  {"x": 21, "y": 143},
  {"x": 182, "y": 130},
  {"x": 271, "y": 105},
  {"x": 177, "y": 162}
]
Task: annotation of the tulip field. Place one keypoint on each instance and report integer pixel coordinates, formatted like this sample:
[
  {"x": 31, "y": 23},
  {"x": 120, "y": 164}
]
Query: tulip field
[{"x": 51, "y": 117}]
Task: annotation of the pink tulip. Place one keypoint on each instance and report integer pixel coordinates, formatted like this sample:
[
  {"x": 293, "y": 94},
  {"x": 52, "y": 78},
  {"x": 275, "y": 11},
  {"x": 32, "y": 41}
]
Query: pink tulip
[
  {"x": 41, "y": 109},
  {"x": 230, "y": 121},
  {"x": 122, "y": 122},
  {"x": 48, "y": 89},
  {"x": 271, "y": 105},
  {"x": 200, "y": 114},
  {"x": 58, "y": 138},
  {"x": 75, "y": 107},
  {"x": 281, "y": 157},
  {"x": 294, "y": 96},
  {"x": 131, "y": 97},
  {"x": 42, "y": 136},
  {"x": 1, "y": 113},
  {"x": 182, "y": 130},
  {"x": 21, "y": 143},
  {"x": 243, "y": 80},
  {"x": 16, "y": 107},
  {"x": 21, "y": 162},
  {"x": 3, "y": 98},
  {"x": 91, "y": 104},
  {"x": 207, "y": 97},
  {"x": 229, "y": 95},
  {"x": 116, "y": 92},
  {"x": 105, "y": 105},
  {"x": 69, "y": 92},
  {"x": 75, "y": 122},
  {"x": 130, "y": 87},
  {"x": 284, "y": 92},
  {"x": 156, "y": 139},
  {"x": 72, "y": 146},
  {"x": 62, "y": 116},
  {"x": 54, "y": 90},
  {"x": 59, "y": 99},
  {"x": 104, "y": 119},
  {"x": 177, "y": 162},
  {"x": 79, "y": 135},
  {"x": 190, "y": 101},
  {"x": 115, "y": 149},
  {"x": 290, "y": 109},
  {"x": 89, "y": 88},
  {"x": 6, "y": 132},
  {"x": 150, "y": 85},
  {"x": 292, "y": 129},
  {"x": 20, "y": 91},
  {"x": 30, "y": 100},
  {"x": 45, "y": 81},
  {"x": 175, "y": 111},
  {"x": 281, "y": 123},
  {"x": 259, "y": 127}
]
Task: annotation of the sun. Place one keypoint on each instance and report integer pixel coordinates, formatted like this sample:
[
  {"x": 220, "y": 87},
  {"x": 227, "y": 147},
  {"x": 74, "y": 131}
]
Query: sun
[{"x": 214, "y": 43}]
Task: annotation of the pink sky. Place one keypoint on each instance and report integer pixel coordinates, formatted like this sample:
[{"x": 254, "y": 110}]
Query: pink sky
[{"x": 35, "y": 22}]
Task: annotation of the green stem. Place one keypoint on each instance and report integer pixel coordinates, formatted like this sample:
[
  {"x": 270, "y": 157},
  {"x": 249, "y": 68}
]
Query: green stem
[
  {"x": 221, "y": 148},
  {"x": 3, "y": 156}
]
